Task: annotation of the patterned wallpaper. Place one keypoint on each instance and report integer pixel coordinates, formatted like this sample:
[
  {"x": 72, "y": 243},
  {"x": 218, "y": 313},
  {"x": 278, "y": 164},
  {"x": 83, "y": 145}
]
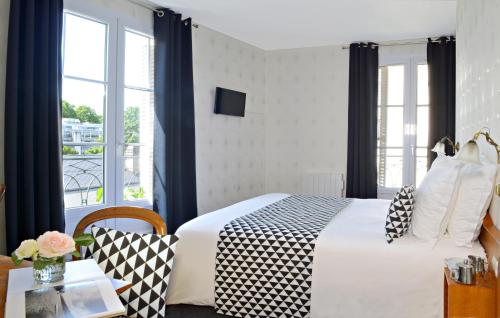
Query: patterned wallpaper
[
  {"x": 229, "y": 150},
  {"x": 295, "y": 121},
  {"x": 306, "y": 131},
  {"x": 478, "y": 75},
  {"x": 296, "y": 118},
  {"x": 478, "y": 68}
]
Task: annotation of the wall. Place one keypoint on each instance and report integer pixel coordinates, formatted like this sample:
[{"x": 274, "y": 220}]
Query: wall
[
  {"x": 295, "y": 121},
  {"x": 478, "y": 68},
  {"x": 4, "y": 22},
  {"x": 478, "y": 76},
  {"x": 306, "y": 131},
  {"x": 229, "y": 150}
]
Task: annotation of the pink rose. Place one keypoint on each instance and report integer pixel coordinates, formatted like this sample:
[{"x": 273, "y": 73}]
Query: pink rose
[{"x": 55, "y": 244}]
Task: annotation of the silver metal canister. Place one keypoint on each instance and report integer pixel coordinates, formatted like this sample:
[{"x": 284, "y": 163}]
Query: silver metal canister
[
  {"x": 466, "y": 274},
  {"x": 478, "y": 263}
]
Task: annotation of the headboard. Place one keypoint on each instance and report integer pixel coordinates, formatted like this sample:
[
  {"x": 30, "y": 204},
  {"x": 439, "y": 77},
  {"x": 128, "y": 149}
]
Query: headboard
[{"x": 490, "y": 239}]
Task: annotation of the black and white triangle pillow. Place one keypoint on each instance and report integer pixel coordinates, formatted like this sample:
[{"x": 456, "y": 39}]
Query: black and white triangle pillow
[
  {"x": 400, "y": 213},
  {"x": 145, "y": 260}
]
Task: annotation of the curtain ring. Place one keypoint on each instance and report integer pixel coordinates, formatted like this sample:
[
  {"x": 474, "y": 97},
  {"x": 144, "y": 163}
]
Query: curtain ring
[{"x": 160, "y": 13}]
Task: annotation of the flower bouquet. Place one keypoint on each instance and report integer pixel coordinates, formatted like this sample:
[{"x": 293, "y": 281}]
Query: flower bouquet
[{"x": 47, "y": 254}]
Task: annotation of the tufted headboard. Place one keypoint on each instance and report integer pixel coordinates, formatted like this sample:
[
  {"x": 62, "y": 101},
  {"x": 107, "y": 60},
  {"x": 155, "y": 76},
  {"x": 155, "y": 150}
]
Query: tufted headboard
[
  {"x": 495, "y": 204},
  {"x": 490, "y": 239}
]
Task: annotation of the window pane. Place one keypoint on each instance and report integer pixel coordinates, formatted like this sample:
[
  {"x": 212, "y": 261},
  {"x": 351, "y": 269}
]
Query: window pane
[
  {"x": 83, "y": 178},
  {"x": 395, "y": 82},
  {"x": 84, "y": 48},
  {"x": 422, "y": 125},
  {"x": 84, "y": 101},
  {"x": 394, "y": 152},
  {"x": 138, "y": 66},
  {"x": 422, "y": 152},
  {"x": 422, "y": 85},
  {"x": 379, "y": 92},
  {"x": 394, "y": 172},
  {"x": 138, "y": 150},
  {"x": 395, "y": 130},
  {"x": 390, "y": 167},
  {"x": 82, "y": 123},
  {"x": 379, "y": 124}
]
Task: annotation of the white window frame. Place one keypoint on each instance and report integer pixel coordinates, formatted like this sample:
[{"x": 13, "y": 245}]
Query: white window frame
[
  {"x": 117, "y": 24},
  {"x": 410, "y": 62}
]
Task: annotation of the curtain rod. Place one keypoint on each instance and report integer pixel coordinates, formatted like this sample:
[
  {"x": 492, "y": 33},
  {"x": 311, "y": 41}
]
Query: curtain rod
[
  {"x": 146, "y": 6},
  {"x": 401, "y": 42},
  {"x": 159, "y": 12}
]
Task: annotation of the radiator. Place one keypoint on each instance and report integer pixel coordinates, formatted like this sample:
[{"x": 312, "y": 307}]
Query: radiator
[{"x": 323, "y": 183}]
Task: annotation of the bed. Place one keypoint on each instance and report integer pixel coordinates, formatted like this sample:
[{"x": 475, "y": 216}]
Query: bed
[{"x": 355, "y": 272}]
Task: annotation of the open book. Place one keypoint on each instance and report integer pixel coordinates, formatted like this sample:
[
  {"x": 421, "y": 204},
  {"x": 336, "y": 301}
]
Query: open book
[
  {"x": 84, "y": 292},
  {"x": 85, "y": 299}
]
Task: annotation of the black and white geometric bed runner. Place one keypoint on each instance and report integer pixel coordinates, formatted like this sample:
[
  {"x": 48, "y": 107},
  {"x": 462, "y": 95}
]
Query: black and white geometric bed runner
[{"x": 264, "y": 259}]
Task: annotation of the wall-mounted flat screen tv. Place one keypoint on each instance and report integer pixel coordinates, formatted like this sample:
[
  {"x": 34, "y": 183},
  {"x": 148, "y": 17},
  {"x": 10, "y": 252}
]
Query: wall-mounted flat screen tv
[{"x": 229, "y": 102}]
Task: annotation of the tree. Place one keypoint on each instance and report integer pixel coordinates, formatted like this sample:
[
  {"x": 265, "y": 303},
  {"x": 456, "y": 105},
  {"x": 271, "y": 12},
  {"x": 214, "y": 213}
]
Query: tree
[
  {"x": 68, "y": 110},
  {"x": 94, "y": 150},
  {"x": 87, "y": 114},
  {"x": 67, "y": 150},
  {"x": 131, "y": 125}
]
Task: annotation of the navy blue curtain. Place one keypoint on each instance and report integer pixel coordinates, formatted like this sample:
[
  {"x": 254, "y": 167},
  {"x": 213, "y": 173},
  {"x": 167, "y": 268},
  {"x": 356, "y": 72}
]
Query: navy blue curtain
[
  {"x": 174, "y": 144},
  {"x": 362, "y": 121},
  {"x": 33, "y": 169},
  {"x": 442, "y": 74}
]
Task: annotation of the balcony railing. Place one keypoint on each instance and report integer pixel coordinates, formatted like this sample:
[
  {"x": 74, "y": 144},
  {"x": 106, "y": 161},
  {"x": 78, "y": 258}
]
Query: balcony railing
[{"x": 84, "y": 179}]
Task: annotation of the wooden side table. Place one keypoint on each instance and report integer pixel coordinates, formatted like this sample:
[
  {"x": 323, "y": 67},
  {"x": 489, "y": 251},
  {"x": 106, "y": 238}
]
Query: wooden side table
[{"x": 478, "y": 300}]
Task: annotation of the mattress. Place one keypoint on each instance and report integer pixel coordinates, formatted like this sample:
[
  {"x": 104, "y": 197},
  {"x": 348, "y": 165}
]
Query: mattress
[{"x": 355, "y": 272}]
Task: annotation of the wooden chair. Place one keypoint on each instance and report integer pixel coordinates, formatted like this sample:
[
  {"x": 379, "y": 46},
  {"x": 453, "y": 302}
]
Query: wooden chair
[
  {"x": 121, "y": 212},
  {"x": 2, "y": 191}
]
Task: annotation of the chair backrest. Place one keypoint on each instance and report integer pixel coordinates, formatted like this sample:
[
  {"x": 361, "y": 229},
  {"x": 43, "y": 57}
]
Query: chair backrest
[
  {"x": 121, "y": 212},
  {"x": 2, "y": 191}
]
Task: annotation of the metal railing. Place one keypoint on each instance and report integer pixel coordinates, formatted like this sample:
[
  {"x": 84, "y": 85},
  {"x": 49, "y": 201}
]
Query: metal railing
[{"x": 84, "y": 174}]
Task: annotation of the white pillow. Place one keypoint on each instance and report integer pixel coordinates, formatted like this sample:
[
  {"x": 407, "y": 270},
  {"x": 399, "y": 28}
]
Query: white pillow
[
  {"x": 475, "y": 191},
  {"x": 434, "y": 197}
]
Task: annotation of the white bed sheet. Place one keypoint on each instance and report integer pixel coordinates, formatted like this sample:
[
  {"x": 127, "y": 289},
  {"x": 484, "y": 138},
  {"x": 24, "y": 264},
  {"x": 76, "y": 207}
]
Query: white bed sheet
[{"x": 355, "y": 272}]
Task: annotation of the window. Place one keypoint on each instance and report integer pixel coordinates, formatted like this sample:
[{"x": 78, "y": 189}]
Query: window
[
  {"x": 403, "y": 98},
  {"x": 107, "y": 111}
]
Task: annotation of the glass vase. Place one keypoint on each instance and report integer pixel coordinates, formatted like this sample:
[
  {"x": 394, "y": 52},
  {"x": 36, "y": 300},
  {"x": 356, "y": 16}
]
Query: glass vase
[{"x": 48, "y": 270}]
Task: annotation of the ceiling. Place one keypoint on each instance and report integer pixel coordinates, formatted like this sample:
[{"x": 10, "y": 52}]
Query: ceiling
[{"x": 282, "y": 24}]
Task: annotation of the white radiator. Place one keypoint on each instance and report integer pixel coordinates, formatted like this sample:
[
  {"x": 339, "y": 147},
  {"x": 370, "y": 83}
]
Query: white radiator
[{"x": 323, "y": 183}]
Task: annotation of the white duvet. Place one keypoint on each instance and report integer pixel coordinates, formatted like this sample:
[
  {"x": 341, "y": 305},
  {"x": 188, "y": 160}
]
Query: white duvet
[{"x": 355, "y": 272}]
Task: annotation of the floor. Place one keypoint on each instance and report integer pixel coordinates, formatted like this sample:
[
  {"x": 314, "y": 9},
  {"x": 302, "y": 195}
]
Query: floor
[{"x": 191, "y": 311}]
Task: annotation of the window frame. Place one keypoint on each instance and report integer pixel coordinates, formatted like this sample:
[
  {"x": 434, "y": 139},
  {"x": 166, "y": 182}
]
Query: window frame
[
  {"x": 126, "y": 25},
  {"x": 117, "y": 24},
  {"x": 410, "y": 62}
]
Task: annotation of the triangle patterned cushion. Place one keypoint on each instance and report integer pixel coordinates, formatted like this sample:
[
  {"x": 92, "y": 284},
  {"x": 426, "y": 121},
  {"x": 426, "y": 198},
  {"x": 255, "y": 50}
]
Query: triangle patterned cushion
[
  {"x": 144, "y": 259},
  {"x": 400, "y": 213}
]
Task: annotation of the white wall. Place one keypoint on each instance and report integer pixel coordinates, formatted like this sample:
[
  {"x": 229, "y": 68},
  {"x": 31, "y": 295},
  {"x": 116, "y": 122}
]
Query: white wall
[
  {"x": 229, "y": 150},
  {"x": 307, "y": 109},
  {"x": 295, "y": 121},
  {"x": 4, "y": 25},
  {"x": 478, "y": 75},
  {"x": 389, "y": 54},
  {"x": 306, "y": 130},
  {"x": 478, "y": 69}
]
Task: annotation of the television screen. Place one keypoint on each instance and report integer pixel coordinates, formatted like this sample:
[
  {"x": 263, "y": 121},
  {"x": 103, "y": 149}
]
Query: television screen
[{"x": 229, "y": 102}]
